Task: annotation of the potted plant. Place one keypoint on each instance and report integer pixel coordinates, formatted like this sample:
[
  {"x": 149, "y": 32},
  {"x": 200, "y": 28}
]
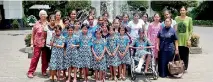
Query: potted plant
[
  {"x": 195, "y": 49},
  {"x": 28, "y": 49}
]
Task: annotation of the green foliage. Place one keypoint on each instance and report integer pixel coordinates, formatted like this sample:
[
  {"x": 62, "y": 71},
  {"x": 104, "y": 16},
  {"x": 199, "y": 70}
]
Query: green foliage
[
  {"x": 15, "y": 24},
  {"x": 64, "y": 6},
  {"x": 203, "y": 22},
  {"x": 137, "y": 4},
  {"x": 203, "y": 11},
  {"x": 160, "y": 5},
  {"x": 28, "y": 40}
]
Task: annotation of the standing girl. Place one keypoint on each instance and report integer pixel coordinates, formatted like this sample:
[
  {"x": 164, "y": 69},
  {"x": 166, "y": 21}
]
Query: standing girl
[
  {"x": 112, "y": 50},
  {"x": 98, "y": 50},
  {"x": 104, "y": 29},
  {"x": 56, "y": 60},
  {"x": 85, "y": 51},
  {"x": 77, "y": 30},
  {"x": 72, "y": 15},
  {"x": 66, "y": 26},
  {"x": 184, "y": 32},
  {"x": 152, "y": 32},
  {"x": 71, "y": 53},
  {"x": 123, "y": 52},
  {"x": 58, "y": 19},
  {"x": 116, "y": 25}
]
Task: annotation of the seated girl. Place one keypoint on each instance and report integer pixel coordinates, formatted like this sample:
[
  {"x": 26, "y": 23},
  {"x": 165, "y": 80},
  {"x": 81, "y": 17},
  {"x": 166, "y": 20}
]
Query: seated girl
[{"x": 142, "y": 44}]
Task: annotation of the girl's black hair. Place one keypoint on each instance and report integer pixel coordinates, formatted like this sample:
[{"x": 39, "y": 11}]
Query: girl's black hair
[
  {"x": 70, "y": 27},
  {"x": 84, "y": 25},
  {"x": 112, "y": 29},
  {"x": 90, "y": 16},
  {"x": 98, "y": 30},
  {"x": 122, "y": 27},
  {"x": 105, "y": 13},
  {"x": 145, "y": 14},
  {"x": 77, "y": 21},
  {"x": 106, "y": 26},
  {"x": 58, "y": 27},
  {"x": 125, "y": 14},
  {"x": 136, "y": 13},
  {"x": 156, "y": 14},
  {"x": 51, "y": 16},
  {"x": 169, "y": 19},
  {"x": 65, "y": 19},
  {"x": 141, "y": 30},
  {"x": 57, "y": 11},
  {"x": 183, "y": 7}
]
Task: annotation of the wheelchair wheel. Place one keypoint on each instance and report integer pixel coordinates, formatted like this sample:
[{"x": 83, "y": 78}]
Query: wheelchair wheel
[{"x": 132, "y": 69}]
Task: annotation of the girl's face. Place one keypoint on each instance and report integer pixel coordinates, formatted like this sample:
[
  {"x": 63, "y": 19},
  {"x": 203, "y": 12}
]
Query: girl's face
[
  {"x": 105, "y": 17},
  {"x": 144, "y": 18},
  {"x": 84, "y": 30},
  {"x": 111, "y": 31},
  {"x": 116, "y": 23},
  {"x": 141, "y": 34},
  {"x": 136, "y": 17},
  {"x": 77, "y": 25},
  {"x": 70, "y": 31},
  {"x": 91, "y": 20},
  {"x": 125, "y": 18},
  {"x": 52, "y": 21},
  {"x": 183, "y": 11},
  {"x": 73, "y": 15},
  {"x": 168, "y": 22},
  {"x": 100, "y": 21},
  {"x": 98, "y": 34},
  {"x": 122, "y": 31},
  {"x": 66, "y": 23},
  {"x": 58, "y": 32},
  {"x": 104, "y": 28},
  {"x": 167, "y": 15},
  {"x": 157, "y": 18},
  {"x": 58, "y": 15},
  {"x": 92, "y": 13}
]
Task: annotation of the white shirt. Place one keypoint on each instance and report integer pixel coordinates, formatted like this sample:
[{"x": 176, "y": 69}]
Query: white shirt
[
  {"x": 49, "y": 35},
  {"x": 135, "y": 27},
  {"x": 94, "y": 22}
]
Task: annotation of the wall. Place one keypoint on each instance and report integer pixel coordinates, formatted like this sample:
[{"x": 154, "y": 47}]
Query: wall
[{"x": 13, "y": 9}]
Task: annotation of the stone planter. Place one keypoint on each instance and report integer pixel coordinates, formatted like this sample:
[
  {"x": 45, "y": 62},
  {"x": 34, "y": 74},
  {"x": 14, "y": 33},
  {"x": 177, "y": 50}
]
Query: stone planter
[{"x": 195, "y": 50}]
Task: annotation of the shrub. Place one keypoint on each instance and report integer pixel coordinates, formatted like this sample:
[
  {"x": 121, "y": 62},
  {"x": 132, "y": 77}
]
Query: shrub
[
  {"x": 28, "y": 40},
  {"x": 195, "y": 40},
  {"x": 15, "y": 24},
  {"x": 203, "y": 22}
]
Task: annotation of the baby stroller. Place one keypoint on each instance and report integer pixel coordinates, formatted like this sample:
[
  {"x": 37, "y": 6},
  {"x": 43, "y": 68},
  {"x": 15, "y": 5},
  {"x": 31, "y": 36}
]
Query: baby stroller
[{"x": 152, "y": 68}]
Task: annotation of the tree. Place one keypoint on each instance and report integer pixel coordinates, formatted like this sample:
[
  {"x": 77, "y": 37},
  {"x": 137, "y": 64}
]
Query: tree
[{"x": 138, "y": 5}]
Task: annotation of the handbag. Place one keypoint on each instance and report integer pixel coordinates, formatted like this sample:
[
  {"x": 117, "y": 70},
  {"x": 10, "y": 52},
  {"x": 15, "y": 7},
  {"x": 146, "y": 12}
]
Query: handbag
[{"x": 176, "y": 67}]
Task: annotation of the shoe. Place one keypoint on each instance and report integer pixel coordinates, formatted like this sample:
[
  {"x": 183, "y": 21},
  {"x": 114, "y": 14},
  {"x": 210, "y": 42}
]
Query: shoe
[
  {"x": 30, "y": 76},
  {"x": 44, "y": 74}
]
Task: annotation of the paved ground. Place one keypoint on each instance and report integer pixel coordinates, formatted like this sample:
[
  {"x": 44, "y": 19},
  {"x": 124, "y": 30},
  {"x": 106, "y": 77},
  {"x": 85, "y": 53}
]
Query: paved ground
[{"x": 15, "y": 63}]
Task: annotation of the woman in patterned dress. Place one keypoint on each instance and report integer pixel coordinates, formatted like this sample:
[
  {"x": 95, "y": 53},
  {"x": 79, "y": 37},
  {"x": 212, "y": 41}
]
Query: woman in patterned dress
[
  {"x": 71, "y": 53},
  {"x": 141, "y": 45},
  {"x": 85, "y": 54},
  {"x": 56, "y": 60},
  {"x": 152, "y": 32},
  {"x": 123, "y": 52},
  {"x": 112, "y": 50},
  {"x": 98, "y": 50}
]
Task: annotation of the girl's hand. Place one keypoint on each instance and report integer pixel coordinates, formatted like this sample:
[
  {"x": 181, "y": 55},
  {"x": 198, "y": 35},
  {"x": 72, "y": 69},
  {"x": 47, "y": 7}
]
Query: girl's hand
[
  {"x": 97, "y": 58},
  {"x": 188, "y": 43},
  {"x": 72, "y": 46},
  {"x": 141, "y": 48},
  {"x": 51, "y": 43},
  {"x": 54, "y": 44},
  {"x": 114, "y": 54}
]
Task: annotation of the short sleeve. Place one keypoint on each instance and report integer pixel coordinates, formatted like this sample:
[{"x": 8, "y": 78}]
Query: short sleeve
[{"x": 175, "y": 37}]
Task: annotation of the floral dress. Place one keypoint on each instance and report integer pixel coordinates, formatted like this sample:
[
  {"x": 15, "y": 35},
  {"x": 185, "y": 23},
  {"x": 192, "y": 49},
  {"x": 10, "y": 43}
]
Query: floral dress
[
  {"x": 72, "y": 58},
  {"x": 85, "y": 53},
  {"x": 57, "y": 54},
  {"x": 98, "y": 46},
  {"x": 77, "y": 33},
  {"x": 123, "y": 43},
  {"x": 140, "y": 52},
  {"x": 152, "y": 35},
  {"x": 112, "y": 43}
]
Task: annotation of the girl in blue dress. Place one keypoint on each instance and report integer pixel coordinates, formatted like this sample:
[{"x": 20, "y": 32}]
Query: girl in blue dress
[
  {"x": 85, "y": 53},
  {"x": 98, "y": 50},
  {"x": 77, "y": 28},
  {"x": 112, "y": 50},
  {"x": 141, "y": 45},
  {"x": 71, "y": 53},
  {"x": 123, "y": 51},
  {"x": 56, "y": 60}
]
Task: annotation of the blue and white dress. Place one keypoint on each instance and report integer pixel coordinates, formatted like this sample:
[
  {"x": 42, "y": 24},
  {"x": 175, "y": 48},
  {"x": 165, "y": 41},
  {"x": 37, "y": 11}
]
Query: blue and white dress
[
  {"x": 85, "y": 53},
  {"x": 123, "y": 43},
  {"x": 78, "y": 33},
  {"x": 141, "y": 43},
  {"x": 57, "y": 55},
  {"x": 98, "y": 46},
  {"x": 72, "y": 56},
  {"x": 112, "y": 43}
]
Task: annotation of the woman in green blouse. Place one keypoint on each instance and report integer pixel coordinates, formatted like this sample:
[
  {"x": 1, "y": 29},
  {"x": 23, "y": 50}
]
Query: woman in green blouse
[{"x": 184, "y": 31}]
